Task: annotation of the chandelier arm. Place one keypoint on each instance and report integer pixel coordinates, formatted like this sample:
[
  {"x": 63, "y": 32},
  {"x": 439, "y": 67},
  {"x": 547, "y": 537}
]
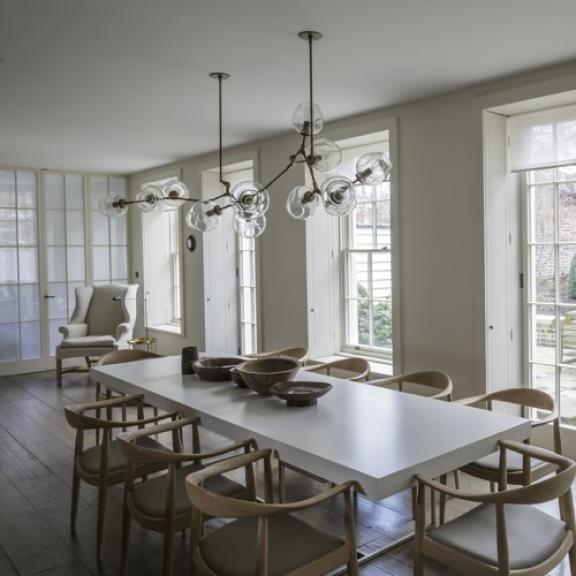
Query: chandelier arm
[{"x": 293, "y": 160}]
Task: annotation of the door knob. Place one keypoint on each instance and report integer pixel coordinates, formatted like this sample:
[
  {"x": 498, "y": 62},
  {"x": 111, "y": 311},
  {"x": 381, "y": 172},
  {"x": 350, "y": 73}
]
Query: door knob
[{"x": 49, "y": 296}]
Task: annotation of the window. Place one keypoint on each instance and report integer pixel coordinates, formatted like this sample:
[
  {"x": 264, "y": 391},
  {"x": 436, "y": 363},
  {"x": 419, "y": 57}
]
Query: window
[
  {"x": 367, "y": 263},
  {"x": 162, "y": 259},
  {"x": 247, "y": 287},
  {"x": 551, "y": 235}
]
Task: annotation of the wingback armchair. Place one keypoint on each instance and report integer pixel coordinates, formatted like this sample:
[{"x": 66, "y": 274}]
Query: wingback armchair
[{"x": 103, "y": 320}]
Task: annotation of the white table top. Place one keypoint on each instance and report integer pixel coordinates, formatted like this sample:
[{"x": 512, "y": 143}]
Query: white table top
[{"x": 376, "y": 436}]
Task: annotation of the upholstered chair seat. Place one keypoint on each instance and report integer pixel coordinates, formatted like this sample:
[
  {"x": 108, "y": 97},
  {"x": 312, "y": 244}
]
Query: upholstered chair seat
[
  {"x": 292, "y": 543},
  {"x": 103, "y": 320}
]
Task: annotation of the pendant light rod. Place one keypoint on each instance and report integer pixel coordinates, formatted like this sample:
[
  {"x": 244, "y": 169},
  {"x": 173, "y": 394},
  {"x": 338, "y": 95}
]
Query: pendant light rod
[{"x": 220, "y": 76}]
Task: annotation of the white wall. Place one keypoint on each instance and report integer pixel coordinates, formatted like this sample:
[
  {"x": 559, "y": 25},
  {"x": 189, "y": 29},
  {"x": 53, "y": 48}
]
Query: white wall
[{"x": 441, "y": 268}]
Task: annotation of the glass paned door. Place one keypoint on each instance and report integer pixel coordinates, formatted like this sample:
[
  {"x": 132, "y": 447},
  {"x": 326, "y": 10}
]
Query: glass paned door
[
  {"x": 65, "y": 249},
  {"x": 551, "y": 231},
  {"x": 20, "y": 332}
]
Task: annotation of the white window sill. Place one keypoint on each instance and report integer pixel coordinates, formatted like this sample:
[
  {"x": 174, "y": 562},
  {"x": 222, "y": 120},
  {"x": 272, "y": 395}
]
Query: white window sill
[
  {"x": 170, "y": 328},
  {"x": 378, "y": 368}
]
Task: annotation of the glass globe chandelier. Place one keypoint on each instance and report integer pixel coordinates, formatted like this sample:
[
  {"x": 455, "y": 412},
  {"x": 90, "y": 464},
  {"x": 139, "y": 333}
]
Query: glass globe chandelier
[{"x": 249, "y": 199}]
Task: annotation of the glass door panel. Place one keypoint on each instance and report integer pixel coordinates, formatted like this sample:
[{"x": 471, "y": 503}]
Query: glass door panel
[
  {"x": 20, "y": 334},
  {"x": 65, "y": 248}
]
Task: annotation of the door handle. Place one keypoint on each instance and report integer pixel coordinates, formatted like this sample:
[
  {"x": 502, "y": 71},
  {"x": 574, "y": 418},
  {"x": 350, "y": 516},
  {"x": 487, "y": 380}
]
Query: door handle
[{"x": 49, "y": 296}]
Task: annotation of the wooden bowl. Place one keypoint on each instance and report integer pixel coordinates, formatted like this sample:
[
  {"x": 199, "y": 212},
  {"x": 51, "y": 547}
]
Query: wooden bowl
[
  {"x": 215, "y": 369},
  {"x": 301, "y": 393},
  {"x": 236, "y": 377},
  {"x": 260, "y": 375}
]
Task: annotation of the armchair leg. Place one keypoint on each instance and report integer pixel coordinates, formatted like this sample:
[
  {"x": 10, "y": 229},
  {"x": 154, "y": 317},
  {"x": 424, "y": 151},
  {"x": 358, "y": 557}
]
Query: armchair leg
[
  {"x": 102, "y": 489},
  {"x": 125, "y": 539},
  {"x": 75, "y": 497},
  {"x": 59, "y": 371},
  {"x": 281, "y": 481},
  {"x": 168, "y": 543}
]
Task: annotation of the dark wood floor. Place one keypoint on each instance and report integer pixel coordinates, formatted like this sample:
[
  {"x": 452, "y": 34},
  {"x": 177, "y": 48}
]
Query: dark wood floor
[{"x": 36, "y": 447}]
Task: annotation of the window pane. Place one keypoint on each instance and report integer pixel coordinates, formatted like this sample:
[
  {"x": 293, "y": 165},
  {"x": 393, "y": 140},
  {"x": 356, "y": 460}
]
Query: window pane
[
  {"x": 27, "y": 228},
  {"x": 383, "y": 224},
  {"x": 75, "y": 228},
  {"x": 382, "y": 275},
  {"x": 359, "y": 322},
  {"x": 9, "y": 342},
  {"x": 56, "y": 264},
  {"x": 568, "y": 335},
  {"x": 29, "y": 302},
  {"x": 117, "y": 185},
  {"x": 26, "y": 182},
  {"x": 544, "y": 378},
  {"x": 54, "y": 337},
  {"x": 31, "y": 343},
  {"x": 118, "y": 231},
  {"x": 74, "y": 192},
  {"x": 362, "y": 230},
  {"x": 543, "y": 273},
  {"x": 8, "y": 266},
  {"x": 99, "y": 186},
  {"x": 567, "y": 273},
  {"x": 7, "y": 227},
  {"x": 568, "y": 395},
  {"x": 7, "y": 189},
  {"x": 55, "y": 227},
  {"x": 76, "y": 264},
  {"x": 246, "y": 304},
  {"x": 100, "y": 236},
  {"x": 58, "y": 301},
  {"x": 101, "y": 263},
  {"x": 358, "y": 276},
  {"x": 543, "y": 220},
  {"x": 382, "y": 320},
  {"x": 119, "y": 262},
  {"x": 544, "y": 334},
  {"x": 54, "y": 191},
  {"x": 27, "y": 258},
  {"x": 8, "y": 304}
]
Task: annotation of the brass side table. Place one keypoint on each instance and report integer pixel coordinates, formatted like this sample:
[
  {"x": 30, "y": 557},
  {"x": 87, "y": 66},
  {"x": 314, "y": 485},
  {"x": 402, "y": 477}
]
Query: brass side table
[{"x": 148, "y": 341}]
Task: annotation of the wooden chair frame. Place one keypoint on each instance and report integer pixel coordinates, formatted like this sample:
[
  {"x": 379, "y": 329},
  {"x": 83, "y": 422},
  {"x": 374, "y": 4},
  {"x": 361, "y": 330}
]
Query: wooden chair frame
[
  {"x": 348, "y": 364},
  {"x": 138, "y": 456},
  {"x": 299, "y": 353},
  {"x": 525, "y": 398},
  {"x": 546, "y": 490},
  {"x": 429, "y": 378},
  {"x": 77, "y": 418},
  {"x": 214, "y": 505}
]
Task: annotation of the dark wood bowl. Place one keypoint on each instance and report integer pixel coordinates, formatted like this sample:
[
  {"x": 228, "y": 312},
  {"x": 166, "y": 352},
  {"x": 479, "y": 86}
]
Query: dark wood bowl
[
  {"x": 216, "y": 369},
  {"x": 236, "y": 377},
  {"x": 260, "y": 375},
  {"x": 301, "y": 393}
]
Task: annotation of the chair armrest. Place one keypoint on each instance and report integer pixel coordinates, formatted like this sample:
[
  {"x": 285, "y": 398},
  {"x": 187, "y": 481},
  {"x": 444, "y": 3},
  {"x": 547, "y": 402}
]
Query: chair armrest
[
  {"x": 470, "y": 401},
  {"x": 111, "y": 403},
  {"x": 73, "y": 330},
  {"x": 122, "y": 330},
  {"x": 386, "y": 381},
  {"x": 548, "y": 420},
  {"x": 249, "y": 443},
  {"x": 143, "y": 422}
]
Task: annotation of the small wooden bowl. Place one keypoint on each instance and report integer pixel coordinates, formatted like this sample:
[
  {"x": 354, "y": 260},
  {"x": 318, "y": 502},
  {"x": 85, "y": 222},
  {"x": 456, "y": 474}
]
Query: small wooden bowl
[
  {"x": 236, "y": 377},
  {"x": 261, "y": 375},
  {"x": 216, "y": 369},
  {"x": 301, "y": 393}
]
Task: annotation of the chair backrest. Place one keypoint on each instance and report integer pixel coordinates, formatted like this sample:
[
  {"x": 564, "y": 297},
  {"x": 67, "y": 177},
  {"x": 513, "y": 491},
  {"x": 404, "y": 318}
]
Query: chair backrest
[
  {"x": 356, "y": 369},
  {"x": 125, "y": 356},
  {"x": 299, "y": 353},
  {"x": 111, "y": 305},
  {"x": 439, "y": 382}
]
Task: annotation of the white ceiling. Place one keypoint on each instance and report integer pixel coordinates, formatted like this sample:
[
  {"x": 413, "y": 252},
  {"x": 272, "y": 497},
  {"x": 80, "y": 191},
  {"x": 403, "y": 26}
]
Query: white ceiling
[{"x": 122, "y": 85}]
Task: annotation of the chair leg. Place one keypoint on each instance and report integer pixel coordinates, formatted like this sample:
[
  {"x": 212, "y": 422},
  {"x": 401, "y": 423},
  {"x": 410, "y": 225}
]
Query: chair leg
[
  {"x": 414, "y": 492},
  {"x": 125, "y": 539},
  {"x": 444, "y": 480},
  {"x": 492, "y": 487},
  {"x": 281, "y": 481},
  {"x": 168, "y": 538},
  {"x": 572, "y": 560},
  {"x": 59, "y": 371},
  {"x": 457, "y": 479},
  {"x": 102, "y": 489},
  {"x": 98, "y": 391},
  {"x": 75, "y": 498}
]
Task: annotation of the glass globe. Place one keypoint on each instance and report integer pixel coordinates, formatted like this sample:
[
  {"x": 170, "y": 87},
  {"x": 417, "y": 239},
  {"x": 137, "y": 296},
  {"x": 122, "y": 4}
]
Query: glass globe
[
  {"x": 373, "y": 168},
  {"x": 302, "y": 202},
  {"x": 175, "y": 193},
  {"x": 204, "y": 216},
  {"x": 251, "y": 199},
  {"x": 301, "y": 119},
  {"x": 112, "y": 206},
  {"x": 250, "y": 228},
  {"x": 328, "y": 155},
  {"x": 338, "y": 195},
  {"x": 149, "y": 198}
]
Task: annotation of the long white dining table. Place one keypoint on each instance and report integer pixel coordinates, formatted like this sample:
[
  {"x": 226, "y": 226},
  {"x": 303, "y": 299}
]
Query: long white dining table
[{"x": 379, "y": 437}]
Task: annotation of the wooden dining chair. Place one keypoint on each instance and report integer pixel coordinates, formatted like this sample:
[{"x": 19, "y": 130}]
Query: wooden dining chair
[
  {"x": 439, "y": 383},
  {"x": 506, "y": 534},
  {"x": 104, "y": 465},
  {"x": 299, "y": 353},
  {"x": 356, "y": 369},
  {"x": 520, "y": 470},
  {"x": 161, "y": 503},
  {"x": 120, "y": 357},
  {"x": 265, "y": 538}
]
